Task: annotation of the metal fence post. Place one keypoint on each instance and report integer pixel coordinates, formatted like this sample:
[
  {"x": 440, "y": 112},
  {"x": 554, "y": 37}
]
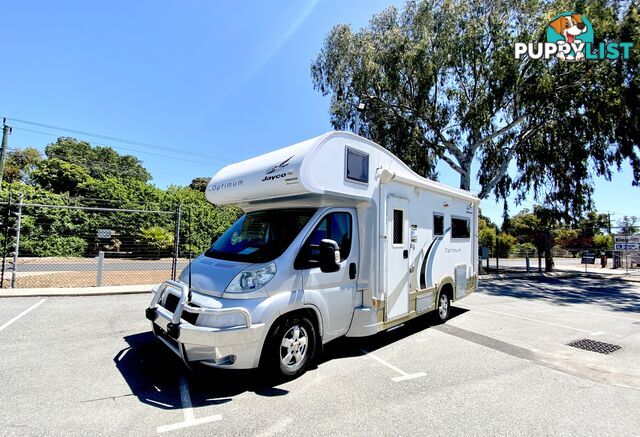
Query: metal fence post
[
  {"x": 526, "y": 259},
  {"x": 176, "y": 244},
  {"x": 6, "y": 241},
  {"x": 100, "y": 267},
  {"x": 16, "y": 250}
]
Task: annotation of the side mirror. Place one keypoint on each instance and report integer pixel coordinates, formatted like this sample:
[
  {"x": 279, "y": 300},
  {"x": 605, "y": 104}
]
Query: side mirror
[{"x": 329, "y": 256}]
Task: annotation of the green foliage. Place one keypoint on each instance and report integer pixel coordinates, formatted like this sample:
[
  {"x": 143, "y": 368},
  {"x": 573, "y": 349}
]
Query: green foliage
[
  {"x": 55, "y": 245},
  {"x": 99, "y": 162},
  {"x": 156, "y": 238},
  {"x": 602, "y": 242},
  {"x": 528, "y": 248},
  {"x": 199, "y": 184},
  {"x": 567, "y": 238},
  {"x": 60, "y": 177},
  {"x": 20, "y": 165},
  {"x": 486, "y": 234},
  {"x": 439, "y": 81},
  {"x": 505, "y": 244}
]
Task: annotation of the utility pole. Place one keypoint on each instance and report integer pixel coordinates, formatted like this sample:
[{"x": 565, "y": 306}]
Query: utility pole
[{"x": 6, "y": 131}]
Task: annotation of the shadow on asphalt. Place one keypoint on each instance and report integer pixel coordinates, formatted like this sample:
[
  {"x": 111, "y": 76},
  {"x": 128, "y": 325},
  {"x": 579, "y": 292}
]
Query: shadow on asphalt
[
  {"x": 153, "y": 373},
  {"x": 612, "y": 294}
]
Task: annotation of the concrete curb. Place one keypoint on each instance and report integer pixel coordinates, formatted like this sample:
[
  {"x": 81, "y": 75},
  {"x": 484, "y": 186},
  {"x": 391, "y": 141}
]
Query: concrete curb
[{"x": 77, "y": 291}]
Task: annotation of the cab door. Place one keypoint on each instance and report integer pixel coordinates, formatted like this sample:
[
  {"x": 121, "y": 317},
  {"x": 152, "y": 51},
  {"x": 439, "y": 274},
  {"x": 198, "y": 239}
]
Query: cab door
[{"x": 337, "y": 290}]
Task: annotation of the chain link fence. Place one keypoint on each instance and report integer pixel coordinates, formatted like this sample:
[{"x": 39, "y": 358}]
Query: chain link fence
[
  {"x": 615, "y": 252},
  {"x": 49, "y": 245}
]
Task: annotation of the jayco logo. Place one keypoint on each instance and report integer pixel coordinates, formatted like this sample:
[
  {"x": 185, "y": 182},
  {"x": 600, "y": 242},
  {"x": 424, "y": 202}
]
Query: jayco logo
[
  {"x": 277, "y": 176},
  {"x": 570, "y": 37}
]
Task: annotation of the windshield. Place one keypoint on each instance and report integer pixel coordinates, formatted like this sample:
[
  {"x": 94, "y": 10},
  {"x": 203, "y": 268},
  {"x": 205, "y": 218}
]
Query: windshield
[{"x": 260, "y": 236}]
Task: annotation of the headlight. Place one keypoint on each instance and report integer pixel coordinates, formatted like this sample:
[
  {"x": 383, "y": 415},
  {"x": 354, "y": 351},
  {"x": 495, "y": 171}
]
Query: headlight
[{"x": 249, "y": 280}]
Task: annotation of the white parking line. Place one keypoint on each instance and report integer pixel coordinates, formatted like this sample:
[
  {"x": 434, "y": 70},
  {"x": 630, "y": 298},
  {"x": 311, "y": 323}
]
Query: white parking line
[
  {"x": 22, "y": 314},
  {"x": 405, "y": 376},
  {"x": 530, "y": 319},
  {"x": 187, "y": 411}
]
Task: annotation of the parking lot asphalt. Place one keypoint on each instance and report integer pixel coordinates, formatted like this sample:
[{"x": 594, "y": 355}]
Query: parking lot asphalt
[{"x": 500, "y": 366}]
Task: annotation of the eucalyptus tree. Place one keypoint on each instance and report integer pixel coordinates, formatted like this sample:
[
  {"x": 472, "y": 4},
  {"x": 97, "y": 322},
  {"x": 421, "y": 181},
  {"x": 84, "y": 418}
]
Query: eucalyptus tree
[{"x": 439, "y": 81}]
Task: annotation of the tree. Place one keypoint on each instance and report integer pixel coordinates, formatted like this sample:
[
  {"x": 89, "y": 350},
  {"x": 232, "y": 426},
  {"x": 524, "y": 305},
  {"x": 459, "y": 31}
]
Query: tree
[
  {"x": 439, "y": 81},
  {"x": 199, "y": 184},
  {"x": 505, "y": 244},
  {"x": 60, "y": 177},
  {"x": 100, "y": 162},
  {"x": 569, "y": 240},
  {"x": 627, "y": 225},
  {"x": 593, "y": 223},
  {"x": 602, "y": 242},
  {"x": 486, "y": 234},
  {"x": 21, "y": 164}
]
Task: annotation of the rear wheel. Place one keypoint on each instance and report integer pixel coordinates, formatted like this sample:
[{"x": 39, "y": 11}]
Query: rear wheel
[
  {"x": 292, "y": 346},
  {"x": 444, "y": 307}
]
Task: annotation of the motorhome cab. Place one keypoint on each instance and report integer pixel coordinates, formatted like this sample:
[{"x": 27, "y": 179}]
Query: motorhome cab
[{"x": 339, "y": 237}]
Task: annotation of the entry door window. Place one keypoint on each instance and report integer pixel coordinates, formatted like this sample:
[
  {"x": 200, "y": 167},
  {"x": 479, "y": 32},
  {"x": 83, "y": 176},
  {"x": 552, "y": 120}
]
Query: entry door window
[
  {"x": 398, "y": 226},
  {"x": 335, "y": 226}
]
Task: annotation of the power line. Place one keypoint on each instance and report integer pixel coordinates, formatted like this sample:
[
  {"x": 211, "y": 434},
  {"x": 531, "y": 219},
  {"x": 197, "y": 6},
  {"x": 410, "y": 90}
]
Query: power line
[
  {"x": 116, "y": 139},
  {"x": 118, "y": 147}
]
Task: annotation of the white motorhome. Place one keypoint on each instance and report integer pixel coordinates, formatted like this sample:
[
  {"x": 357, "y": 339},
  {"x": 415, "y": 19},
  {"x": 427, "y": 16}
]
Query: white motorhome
[{"x": 339, "y": 237}]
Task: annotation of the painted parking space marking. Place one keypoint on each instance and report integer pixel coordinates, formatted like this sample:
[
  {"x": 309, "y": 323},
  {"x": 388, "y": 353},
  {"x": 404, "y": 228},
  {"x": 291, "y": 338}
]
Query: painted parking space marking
[
  {"x": 473, "y": 307},
  {"x": 404, "y": 376},
  {"x": 25, "y": 312},
  {"x": 187, "y": 411}
]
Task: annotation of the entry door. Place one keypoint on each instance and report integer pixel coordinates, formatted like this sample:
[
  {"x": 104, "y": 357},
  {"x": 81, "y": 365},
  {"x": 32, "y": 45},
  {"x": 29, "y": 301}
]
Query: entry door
[
  {"x": 397, "y": 258},
  {"x": 336, "y": 290}
]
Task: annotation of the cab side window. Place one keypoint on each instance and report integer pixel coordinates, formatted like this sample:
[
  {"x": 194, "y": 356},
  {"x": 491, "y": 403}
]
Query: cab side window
[{"x": 335, "y": 226}]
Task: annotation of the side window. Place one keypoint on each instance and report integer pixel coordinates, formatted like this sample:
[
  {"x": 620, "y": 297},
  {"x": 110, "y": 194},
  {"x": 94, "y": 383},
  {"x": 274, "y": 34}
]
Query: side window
[
  {"x": 335, "y": 226},
  {"x": 438, "y": 224},
  {"x": 460, "y": 228},
  {"x": 357, "y": 166},
  {"x": 398, "y": 225}
]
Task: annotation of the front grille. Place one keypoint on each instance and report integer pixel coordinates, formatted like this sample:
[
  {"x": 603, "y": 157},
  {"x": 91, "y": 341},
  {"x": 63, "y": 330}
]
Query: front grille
[
  {"x": 171, "y": 303},
  {"x": 594, "y": 346}
]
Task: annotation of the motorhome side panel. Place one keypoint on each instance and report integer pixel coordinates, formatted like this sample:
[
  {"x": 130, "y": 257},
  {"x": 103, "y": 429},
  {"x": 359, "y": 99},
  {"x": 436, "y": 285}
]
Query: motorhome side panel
[{"x": 434, "y": 232}]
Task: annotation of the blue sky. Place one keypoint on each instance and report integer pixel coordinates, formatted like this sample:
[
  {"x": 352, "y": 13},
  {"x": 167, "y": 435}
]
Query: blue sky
[{"x": 225, "y": 80}]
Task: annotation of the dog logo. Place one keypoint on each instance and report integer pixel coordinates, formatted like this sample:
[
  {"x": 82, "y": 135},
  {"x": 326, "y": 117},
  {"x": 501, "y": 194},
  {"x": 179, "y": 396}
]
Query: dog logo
[
  {"x": 283, "y": 164},
  {"x": 571, "y": 32},
  {"x": 570, "y": 37}
]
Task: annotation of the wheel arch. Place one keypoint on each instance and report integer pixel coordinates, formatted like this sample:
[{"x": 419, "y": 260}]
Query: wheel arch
[
  {"x": 309, "y": 311},
  {"x": 446, "y": 285}
]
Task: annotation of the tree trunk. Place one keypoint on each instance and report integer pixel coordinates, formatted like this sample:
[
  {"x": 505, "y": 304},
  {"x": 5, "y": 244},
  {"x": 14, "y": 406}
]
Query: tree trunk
[{"x": 465, "y": 176}]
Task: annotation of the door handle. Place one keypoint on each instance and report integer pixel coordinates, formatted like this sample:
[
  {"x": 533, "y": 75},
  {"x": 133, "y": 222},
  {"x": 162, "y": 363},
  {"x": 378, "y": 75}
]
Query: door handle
[
  {"x": 352, "y": 271},
  {"x": 405, "y": 254}
]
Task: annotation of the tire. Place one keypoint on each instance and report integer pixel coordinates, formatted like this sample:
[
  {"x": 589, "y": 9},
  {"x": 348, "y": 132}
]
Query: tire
[
  {"x": 444, "y": 307},
  {"x": 291, "y": 347}
]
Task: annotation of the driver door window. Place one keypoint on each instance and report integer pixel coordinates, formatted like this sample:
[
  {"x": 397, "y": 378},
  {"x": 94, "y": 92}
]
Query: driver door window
[{"x": 335, "y": 226}]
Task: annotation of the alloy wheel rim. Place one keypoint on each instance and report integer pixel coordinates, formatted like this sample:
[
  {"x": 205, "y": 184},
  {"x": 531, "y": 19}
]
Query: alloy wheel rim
[
  {"x": 444, "y": 306},
  {"x": 293, "y": 347}
]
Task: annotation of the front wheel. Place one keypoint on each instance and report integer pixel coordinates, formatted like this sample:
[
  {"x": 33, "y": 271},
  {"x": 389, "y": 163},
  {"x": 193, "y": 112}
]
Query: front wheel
[
  {"x": 292, "y": 346},
  {"x": 444, "y": 307}
]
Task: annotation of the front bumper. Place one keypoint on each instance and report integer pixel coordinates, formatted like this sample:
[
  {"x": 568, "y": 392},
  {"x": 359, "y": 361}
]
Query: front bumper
[{"x": 236, "y": 346}]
